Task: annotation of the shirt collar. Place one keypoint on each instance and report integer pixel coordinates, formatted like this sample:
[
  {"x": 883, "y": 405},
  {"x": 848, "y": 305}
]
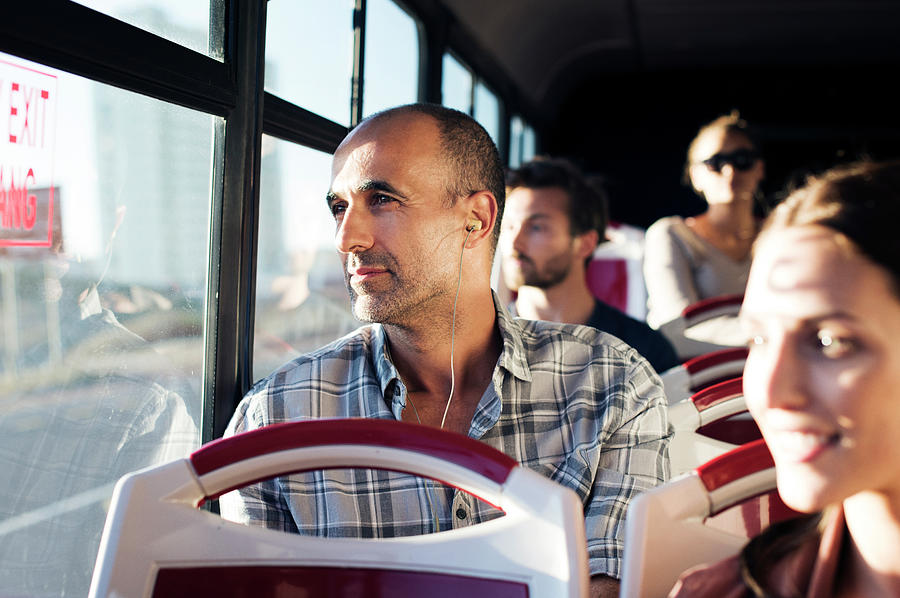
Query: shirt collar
[
  {"x": 512, "y": 357},
  {"x": 392, "y": 387}
]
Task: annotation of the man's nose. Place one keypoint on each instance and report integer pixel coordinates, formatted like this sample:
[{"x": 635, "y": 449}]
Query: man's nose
[{"x": 355, "y": 231}]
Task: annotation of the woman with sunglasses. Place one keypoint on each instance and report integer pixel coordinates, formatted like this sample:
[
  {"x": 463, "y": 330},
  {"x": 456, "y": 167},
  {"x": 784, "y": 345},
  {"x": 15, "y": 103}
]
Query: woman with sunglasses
[
  {"x": 822, "y": 312},
  {"x": 686, "y": 260}
]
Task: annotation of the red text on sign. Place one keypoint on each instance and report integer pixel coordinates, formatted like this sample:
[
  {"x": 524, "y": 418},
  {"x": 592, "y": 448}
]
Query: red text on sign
[
  {"x": 27, "y": 114},
  {"x": 18, "y": 208}
]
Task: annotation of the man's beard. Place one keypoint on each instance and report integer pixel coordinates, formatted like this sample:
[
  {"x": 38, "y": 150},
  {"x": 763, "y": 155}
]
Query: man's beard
[
  {"x": 393, "y": 301},
  {"x": 554, "y": 272}
]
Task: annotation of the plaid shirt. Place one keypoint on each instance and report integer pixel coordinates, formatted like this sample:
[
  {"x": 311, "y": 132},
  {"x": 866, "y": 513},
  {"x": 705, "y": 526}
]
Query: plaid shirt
[{"x": 572, "y": 403}]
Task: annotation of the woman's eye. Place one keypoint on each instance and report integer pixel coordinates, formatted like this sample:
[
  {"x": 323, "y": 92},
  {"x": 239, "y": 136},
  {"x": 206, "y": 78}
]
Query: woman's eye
[{"x": 834, "y": 346}]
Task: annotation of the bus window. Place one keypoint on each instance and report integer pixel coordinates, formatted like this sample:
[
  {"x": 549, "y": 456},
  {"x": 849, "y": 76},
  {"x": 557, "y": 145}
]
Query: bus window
[
  {"x": 301, "y": 301},
  {"x": 104, "y": 219},
  {"x": 521, "y": 142},
  {"x": 391, "y": 58},
  {"x": 487, "y": 110},
  {"x": 185, "y": 23},
  {"x": 309, "y": 55},
  {"x": 529, "y": 143},
  {"x": 456, "y": 87}
]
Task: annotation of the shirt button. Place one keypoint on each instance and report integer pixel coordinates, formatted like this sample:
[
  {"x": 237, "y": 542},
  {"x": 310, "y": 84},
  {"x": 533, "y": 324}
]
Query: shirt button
[{"x": 460, "y": 513}]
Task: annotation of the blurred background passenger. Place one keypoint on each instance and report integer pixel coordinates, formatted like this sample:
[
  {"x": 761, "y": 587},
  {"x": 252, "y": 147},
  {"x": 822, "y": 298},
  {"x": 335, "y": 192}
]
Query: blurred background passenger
[
  {"x": 84, "y": 408},
  {"x": 294, "y": 318},
  {"x": 822, "y": 310},
  {"x": 708, "y": 255},
  {"x": 552, "y": 223}
]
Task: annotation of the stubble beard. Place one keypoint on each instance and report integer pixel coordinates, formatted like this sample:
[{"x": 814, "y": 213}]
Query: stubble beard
[
  {"x": 398, "y": 302},
  {"x": 554, "y": 272}
]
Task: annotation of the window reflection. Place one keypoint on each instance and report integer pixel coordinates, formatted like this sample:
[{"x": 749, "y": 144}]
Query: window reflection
[
  {"x": 185, "y": 23},
  {"x": 101, "y": 325},
  {"x": 301, "y": 301}
]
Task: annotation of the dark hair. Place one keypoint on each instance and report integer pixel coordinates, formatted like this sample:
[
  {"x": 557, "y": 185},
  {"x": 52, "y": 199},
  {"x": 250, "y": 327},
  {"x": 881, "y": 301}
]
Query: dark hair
[
  {"x": 860, "y": 201},
  {"x": 472, "y": 158},
  {"x": 729, "y": 123},
  {"x": 588, "y": 206}
]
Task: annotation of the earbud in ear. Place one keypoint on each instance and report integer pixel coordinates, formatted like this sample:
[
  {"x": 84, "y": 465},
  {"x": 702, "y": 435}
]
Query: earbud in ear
[{"x": 473, "y": 225}]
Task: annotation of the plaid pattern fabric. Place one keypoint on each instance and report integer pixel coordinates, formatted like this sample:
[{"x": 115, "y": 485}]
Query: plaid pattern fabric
[{"x": 570, "y": 402}]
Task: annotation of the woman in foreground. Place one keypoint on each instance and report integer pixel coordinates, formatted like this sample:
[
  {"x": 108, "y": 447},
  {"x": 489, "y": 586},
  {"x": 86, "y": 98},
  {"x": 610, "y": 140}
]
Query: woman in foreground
[{"x": 822, "y": 310}]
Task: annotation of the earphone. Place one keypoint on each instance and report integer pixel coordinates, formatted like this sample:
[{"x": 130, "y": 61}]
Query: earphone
[{"x": 471, "y": 226}]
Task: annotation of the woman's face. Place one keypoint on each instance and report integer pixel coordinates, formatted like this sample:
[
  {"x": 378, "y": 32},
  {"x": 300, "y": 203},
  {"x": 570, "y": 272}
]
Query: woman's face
[
  {"x": 726, "y": 175},
  {"x": 823, "y": 375}
]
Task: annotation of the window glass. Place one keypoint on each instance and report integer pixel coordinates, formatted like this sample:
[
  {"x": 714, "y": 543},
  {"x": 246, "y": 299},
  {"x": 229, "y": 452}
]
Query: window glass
[
  {"x": 516, "y": 127},
  {"x": 392, "y": 57},
  {"x": 104, "y": 212},
  {"x": 487, "y": 110},
  {"x": 522, "y": 142},
  {"x": 301, "y": 300},
  {"x": 185, "y": 23},
  {"x": 309, "y": 55},
  {"x": 529, "y": 143},
  {"x": 456, "y": 87}
]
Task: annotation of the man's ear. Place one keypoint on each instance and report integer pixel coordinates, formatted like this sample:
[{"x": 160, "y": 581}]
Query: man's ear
[
  {"x": 480, "y": 207},
  {"x": 586, "y": 243}
]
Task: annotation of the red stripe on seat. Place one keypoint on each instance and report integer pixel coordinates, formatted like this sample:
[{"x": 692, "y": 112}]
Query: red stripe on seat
[
  {"x": 735, "y": 464},
  {"x": 715, "y": 358},
  {"x": 717, "y": 393},
  {"x": 449, "y": 446}
]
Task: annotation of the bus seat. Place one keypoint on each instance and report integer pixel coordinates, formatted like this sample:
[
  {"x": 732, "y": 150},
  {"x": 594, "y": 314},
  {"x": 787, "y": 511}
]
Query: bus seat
[
  {"x": 702, "y": 516},
  {"x": 709, "y": 423},
  {"x": 157, "y": 542},
  {"x": 607, "y": 280},
  {"x": 683, "y": 380},
  {"x": 614, "y": 274},
  {"x": 706, "y": 326}
]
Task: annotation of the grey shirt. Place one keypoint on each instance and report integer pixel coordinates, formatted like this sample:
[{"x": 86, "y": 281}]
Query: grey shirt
[{"x": 681, "y": 268}]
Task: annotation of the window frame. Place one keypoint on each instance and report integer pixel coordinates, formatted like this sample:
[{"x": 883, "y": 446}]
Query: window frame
[{"x": 107, "y": 50}]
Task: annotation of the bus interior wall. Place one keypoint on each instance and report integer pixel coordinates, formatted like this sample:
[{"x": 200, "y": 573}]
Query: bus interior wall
[{"x": 633, "y": 128}]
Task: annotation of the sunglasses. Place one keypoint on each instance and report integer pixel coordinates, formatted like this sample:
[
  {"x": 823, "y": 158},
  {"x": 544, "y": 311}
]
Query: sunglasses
[{"x": 742, "y": 160}]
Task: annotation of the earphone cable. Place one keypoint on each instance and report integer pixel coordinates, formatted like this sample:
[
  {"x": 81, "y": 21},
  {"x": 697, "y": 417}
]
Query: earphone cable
[{"x": 453, "y": 329}]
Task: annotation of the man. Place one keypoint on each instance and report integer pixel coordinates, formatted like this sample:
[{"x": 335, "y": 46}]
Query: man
[
  {"x": 417, "y": 192},
  {"x": 553, "y": 221}
]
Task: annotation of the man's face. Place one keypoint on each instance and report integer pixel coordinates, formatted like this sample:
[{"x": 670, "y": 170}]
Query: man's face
[
  {"x": 536, "y": 240},
  {"x": 398, "y": 241}
]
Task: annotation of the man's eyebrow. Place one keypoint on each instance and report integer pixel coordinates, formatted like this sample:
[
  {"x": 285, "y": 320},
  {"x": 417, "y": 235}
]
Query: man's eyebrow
[
  {"x": 378, "y": 185},
  {"x": 367, "y": 185}
]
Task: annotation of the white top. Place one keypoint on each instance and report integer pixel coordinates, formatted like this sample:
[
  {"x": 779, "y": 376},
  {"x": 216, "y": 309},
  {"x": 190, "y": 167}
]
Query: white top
[{"x": 681, "y": 268}]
